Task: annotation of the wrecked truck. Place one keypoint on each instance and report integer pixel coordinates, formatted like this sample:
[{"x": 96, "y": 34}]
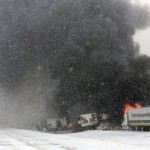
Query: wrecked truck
[
  {"x": 137, "y": 119},
  {"x": 52, "y": 124}
]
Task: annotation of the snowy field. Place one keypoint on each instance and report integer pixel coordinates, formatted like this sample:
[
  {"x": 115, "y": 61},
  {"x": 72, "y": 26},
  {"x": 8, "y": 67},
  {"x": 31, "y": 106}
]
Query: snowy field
[{"x": 11, "y": 139}]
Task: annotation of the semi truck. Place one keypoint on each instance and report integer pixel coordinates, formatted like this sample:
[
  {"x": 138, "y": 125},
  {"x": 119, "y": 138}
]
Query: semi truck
[
  {"x": 81, "y": 122},
  {"x": 137, "y": 119},
  {"x": 85, "y": 121},
  {"x": 52, "y": 124}
]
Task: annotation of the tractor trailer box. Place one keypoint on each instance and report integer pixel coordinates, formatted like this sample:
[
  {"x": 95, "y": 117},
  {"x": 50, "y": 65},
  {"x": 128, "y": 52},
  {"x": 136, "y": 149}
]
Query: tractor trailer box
[
  {"x": 87, "y": 120},
  {"x": 139, "y": 116},
  {"x": 56, "y": 123}
]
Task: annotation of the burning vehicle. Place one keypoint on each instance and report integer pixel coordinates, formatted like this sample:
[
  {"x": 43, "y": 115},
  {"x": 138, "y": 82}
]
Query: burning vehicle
[
  {"x": 86, "y": 121},
  {"x": 136, "y": 118},
  {"x": 82, "y": 122}
]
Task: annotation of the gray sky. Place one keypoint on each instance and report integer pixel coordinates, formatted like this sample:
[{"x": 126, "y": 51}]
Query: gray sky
[{"x": 143, "y": 36}]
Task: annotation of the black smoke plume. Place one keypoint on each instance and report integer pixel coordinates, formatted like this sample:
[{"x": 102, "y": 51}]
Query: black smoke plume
[{"x": 85, "y": 48}]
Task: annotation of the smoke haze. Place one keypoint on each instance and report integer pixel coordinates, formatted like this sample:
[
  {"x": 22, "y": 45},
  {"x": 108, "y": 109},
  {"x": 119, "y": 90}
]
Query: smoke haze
[{"x": 56, "y": 55}]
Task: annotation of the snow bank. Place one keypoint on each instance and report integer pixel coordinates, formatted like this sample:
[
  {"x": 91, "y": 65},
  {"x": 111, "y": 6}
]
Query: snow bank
[{"x": 88, "y": 140}]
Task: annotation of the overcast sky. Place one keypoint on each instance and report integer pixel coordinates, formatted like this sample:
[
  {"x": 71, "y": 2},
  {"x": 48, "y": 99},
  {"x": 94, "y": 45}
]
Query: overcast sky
[{"x": 143, "y": 37}]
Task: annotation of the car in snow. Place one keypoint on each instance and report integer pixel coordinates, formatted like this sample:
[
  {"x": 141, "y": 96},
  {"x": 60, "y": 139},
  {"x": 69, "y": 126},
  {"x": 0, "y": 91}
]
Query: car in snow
[{"x": 104, "y": 126}]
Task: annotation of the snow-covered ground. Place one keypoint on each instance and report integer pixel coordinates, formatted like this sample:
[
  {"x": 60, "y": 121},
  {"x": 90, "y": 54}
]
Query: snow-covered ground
[{"x": 12, "y": 139}]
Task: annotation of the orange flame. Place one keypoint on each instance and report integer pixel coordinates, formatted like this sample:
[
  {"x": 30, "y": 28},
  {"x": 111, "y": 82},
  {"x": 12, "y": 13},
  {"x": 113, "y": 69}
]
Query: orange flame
[
  {"x": 70, "y": 124},
  {"x": 137, "y": 105},
  {"x": 128, "y": 106}
]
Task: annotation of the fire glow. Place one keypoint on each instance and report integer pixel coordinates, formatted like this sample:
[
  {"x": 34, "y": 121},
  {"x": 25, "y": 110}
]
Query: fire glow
[
  {"x": 70, "y": 125},
  {"x": 128, "y": 106}
]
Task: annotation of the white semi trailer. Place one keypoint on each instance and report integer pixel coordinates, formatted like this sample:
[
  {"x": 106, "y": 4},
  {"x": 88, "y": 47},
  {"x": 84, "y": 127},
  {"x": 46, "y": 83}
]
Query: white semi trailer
[
  {"x": 137, "y": 119},
  {"x": 56, "y": 124},
  {"x": 52, "y": 124},
  {"x": 85, "y": 121}
]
